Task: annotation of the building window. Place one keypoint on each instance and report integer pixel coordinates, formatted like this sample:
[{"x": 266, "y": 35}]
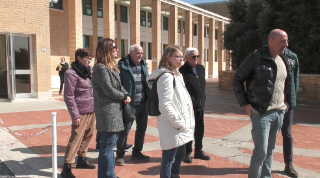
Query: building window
[
  {"x": 85, "y": 41},
  {"x": 216, "y": 36},
  {"x": 149, "y": 19},
  {"x": 122, "y": 49},
  {"x": 99, "y": 38},
  {"x": 115, "y": 12},
  {"x": 149, "y": 50},
  {"x": 183, "y": 27},
  {"x": 58, "y": 5},
  {"x": 100, "y": 8},
  {"x": 207, "y": 32},
  {"x": 179, "y": 26},
  {"x": 195, "y": 30},
  {"x": 87, "y": 7},
  {"x": 165, "y": 23},
  {"x": 143, "y": 18},
  {"x": 124, "y": 14}
]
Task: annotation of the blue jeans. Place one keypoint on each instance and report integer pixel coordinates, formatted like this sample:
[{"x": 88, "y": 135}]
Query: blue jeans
[
  {"x": 106, "y": 161},
  {"x": 171, "y": 161},
  {"x": 265, "y": 129}
]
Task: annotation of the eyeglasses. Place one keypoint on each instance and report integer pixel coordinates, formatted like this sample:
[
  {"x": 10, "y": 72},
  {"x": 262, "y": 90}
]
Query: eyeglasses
[
  {"x": 115, "y": 47},
  {"x": 195, "y": 56},
  {"x": 178, "y": 57}
]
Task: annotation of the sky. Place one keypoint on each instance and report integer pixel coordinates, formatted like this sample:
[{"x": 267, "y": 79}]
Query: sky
[{"x": 200, "y": 1}]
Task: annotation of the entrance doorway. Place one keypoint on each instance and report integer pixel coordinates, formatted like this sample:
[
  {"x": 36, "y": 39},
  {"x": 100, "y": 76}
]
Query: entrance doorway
[{"x": 15, "y": 66}]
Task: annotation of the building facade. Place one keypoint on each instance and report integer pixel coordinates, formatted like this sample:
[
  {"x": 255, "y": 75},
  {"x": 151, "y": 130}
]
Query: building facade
[{"x": 35, "y": 35}]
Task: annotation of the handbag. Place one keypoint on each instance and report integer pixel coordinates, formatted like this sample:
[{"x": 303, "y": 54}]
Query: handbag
[{"x": 129, "y": 113}]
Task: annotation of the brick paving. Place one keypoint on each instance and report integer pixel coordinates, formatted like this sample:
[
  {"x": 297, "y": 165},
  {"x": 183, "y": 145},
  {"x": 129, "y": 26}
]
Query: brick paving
[{"x": 219, "y": 103}]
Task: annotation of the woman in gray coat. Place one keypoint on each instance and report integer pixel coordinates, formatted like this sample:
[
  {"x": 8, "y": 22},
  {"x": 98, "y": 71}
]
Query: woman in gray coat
[{"x": 108, "y": 97}]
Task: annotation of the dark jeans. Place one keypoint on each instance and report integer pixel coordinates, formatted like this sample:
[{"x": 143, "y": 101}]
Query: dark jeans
[
  {"x": 61, "y": 83},
  {"x": 171, "y": 162},
  {"x": 106, "y": 161},
  {"x": 287, "y": 137},
  {"x": 198, "y": 133},
  {"x": 142, "y": 123}
]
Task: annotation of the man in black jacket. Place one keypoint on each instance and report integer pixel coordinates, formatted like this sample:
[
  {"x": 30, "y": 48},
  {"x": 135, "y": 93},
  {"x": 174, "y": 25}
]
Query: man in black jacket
[
  {"x": 194, "y": 79},
  {"x": 62, "y": 68},
  {"x": 267, "y": 76}
]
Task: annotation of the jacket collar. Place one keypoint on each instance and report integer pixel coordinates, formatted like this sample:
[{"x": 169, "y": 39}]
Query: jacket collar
[{"x": 265, "y": 53}]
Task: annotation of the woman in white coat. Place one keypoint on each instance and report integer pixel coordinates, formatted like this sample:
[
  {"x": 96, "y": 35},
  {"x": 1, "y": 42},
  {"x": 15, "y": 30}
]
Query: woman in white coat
[{"x": 176, "y": 121}]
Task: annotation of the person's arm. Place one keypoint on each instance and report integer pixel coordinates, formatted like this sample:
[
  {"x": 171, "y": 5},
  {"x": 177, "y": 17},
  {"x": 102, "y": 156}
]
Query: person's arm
[
  {"x": 70, "y": 82},
  {"x": 241, "y": 75},
  {"x": 57, "y": 68},
  {"x": 103, "y": 78},
  {"x": 167, "y": 107}
]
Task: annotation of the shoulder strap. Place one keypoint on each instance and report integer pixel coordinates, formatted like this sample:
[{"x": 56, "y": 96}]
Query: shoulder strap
[{"x": 174, "y": 79}]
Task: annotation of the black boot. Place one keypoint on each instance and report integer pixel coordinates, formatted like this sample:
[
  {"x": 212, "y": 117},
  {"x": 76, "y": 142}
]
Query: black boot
[
  {"x": 66, "y": 171},
  {"x": 83, "y": 163}
]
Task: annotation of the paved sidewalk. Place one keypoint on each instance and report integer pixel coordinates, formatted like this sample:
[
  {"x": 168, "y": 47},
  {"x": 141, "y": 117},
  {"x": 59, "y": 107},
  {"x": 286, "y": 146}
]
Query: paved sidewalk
[{"x": 227, "y": 140}]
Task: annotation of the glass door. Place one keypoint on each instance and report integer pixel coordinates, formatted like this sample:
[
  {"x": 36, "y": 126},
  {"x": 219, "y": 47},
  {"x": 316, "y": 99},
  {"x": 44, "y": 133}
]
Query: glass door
[
  {"x": 15, "y": 66},
  {"x": 23, "y": 66}
]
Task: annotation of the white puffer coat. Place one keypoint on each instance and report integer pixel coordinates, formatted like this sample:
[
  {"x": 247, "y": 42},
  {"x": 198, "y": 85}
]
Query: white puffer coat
[{"x": 176, "y": 121}]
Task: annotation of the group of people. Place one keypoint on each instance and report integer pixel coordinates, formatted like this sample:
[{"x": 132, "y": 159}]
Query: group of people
[{"x": 95, "y": 97}]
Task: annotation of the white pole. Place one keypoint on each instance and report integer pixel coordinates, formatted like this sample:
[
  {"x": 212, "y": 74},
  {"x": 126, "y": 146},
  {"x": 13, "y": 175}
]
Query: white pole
[{"x": 54, "y": 144}]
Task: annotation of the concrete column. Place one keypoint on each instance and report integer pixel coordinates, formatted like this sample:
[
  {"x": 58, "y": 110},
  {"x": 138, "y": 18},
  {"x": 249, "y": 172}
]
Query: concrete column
[
  {"x": 188, "y": 29},
  {"x": 118, "y": 42},
  {"x": 156, "y": 33},
  {"x": 95, "y": 27},
  {"x": 219, "y": 47},
  {"x": 75, "y": 27},
  {"x": 108, "y": 19},
  {"x": 134, "y": 22},
  {"x": 201, "y": 39},
  {"x": 181, "y": 34},
  {"x": 173, "y": 26},
  {"x": 212, "y": 47}
]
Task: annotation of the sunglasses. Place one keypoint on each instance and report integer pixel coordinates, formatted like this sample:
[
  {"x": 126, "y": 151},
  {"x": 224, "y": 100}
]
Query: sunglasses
[
  {"x": 115, "y": 47},
  {"x": 195, "y": 56}
]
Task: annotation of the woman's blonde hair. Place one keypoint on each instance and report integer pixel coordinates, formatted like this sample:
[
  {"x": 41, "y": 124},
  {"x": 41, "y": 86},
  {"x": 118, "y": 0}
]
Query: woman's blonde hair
[
  {"x": 168, "y": 52},
  {"x": 103, "y": 54}
]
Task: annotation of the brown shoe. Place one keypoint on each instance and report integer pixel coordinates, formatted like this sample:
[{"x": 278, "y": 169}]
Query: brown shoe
[{"x": 290, "y": 171}]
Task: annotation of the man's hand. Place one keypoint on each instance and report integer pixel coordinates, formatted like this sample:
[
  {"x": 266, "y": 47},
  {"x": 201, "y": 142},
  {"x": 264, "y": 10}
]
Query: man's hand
[
  {"x": 248, "y": 109},
  {"x": 127, "y": 101},
  {"x": 76, "y": 122}
]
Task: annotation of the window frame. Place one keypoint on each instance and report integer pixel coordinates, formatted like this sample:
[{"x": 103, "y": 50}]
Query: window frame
[
  {"x": 101, "y": 8},
  {"x": 86, "y": 38},
  {"x": 149, "y": 19},
  {"x": 84, "y": 8},
  {"x": 165, "y": 27},
  {"x": 179, "y": 26},
  {"x": 141, "y": 18},
  {"x": 122, "y": 7}
]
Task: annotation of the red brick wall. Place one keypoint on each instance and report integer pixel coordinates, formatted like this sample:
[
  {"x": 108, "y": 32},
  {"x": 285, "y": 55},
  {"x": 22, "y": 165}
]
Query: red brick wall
[{"x": 309, "y": 85}]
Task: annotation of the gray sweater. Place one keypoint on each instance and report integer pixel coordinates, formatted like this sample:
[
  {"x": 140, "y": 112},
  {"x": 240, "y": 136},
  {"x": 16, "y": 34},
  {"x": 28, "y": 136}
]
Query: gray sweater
[{"x": 108, "y": 96}]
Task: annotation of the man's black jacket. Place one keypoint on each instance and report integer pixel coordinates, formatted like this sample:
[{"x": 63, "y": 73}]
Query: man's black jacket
[
  {"x": 196, "y": 85},
  {"x": 259, "y": 70}
]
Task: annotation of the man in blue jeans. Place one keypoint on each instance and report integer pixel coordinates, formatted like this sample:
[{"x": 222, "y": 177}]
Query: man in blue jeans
[{"x": 267, "y": 75}]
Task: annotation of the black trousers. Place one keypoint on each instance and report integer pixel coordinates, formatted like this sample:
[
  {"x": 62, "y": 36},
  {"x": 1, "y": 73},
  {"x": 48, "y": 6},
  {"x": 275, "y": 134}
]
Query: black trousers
[
  {"x": 198, "y": 133},
  {"x": 287, "y": 137},
  {"x": 61, "y": 84},
  {"x": 141, "y": 123}
]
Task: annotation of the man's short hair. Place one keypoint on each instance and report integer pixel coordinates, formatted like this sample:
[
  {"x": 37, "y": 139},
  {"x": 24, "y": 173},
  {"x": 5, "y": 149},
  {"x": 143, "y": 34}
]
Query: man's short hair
[
  {"x": 189, "y": 50},
  {"x": 132, "y": 47}
]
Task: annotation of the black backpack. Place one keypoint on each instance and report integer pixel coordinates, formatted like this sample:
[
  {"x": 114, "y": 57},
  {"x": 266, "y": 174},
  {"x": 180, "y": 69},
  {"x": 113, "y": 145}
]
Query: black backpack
[{"x": 153, "y": 99}]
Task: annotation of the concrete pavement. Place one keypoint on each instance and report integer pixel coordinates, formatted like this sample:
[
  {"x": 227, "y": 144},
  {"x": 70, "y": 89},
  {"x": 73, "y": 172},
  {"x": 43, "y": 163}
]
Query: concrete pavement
[{"x": 227, "y": 140}]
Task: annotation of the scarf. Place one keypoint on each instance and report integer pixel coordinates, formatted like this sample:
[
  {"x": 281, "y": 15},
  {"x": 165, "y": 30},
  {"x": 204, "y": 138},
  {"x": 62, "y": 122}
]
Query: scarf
[{"x": 82, "y": 71}]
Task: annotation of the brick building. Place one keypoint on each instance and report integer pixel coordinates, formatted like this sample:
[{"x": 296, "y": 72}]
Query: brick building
[{"x": 34, "y": 35}]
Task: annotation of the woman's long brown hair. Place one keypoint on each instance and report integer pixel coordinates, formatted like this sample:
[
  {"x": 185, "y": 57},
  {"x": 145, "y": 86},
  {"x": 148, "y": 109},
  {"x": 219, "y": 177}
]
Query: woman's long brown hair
[{"x": 103, "y": 54}]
